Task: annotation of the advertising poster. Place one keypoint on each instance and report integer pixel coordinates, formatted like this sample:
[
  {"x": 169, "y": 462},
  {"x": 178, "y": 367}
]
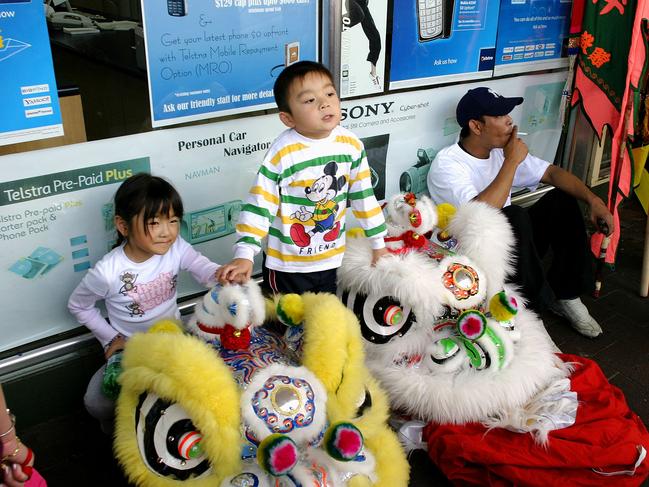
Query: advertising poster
[
  {"x": 208, "y": 59},
  {"x": 362, "y": 47},
  {"x": 532, "y": 35},
  {"x": 440, "y": 41},
  {"x": 410, "y": 128},
  {"x": 56, "y": 222},
  {"x": 29, "y": 100}
]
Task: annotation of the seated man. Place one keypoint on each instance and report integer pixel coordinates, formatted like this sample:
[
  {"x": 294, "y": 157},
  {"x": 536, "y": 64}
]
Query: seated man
[{"x": 487, "y": 161}]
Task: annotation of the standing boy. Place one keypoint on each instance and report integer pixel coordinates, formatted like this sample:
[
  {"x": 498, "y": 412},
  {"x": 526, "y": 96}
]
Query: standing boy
[{"x": 300, "y": 195}]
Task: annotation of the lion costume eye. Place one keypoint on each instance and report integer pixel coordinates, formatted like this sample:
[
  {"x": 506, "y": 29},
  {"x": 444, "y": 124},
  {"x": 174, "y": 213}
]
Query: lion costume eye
[
  {"x": 168, "y": 440},
  {"x": 381, "y": 317},
  {"x": 364, "y": 403}
]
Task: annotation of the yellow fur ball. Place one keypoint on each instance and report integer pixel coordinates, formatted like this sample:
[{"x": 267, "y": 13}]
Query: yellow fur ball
[
  {"x": 503, "y": 307},
  {"x": 445, "y": 213},
  {"x": 166, "y": 326},
  {"x": 290, "y": 309}
]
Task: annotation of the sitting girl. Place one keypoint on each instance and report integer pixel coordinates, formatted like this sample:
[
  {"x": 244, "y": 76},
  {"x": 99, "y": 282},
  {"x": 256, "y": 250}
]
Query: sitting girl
[{"x": 137, "y": 279}]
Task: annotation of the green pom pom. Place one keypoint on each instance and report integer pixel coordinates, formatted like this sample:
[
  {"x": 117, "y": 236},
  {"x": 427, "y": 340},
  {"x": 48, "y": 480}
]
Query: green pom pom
[
  {"x": 343, "y": 441},
  {"x": 109, "y": 384},
  {"x": 277, "y": 454},
  {"x": 471, "y": 324}
]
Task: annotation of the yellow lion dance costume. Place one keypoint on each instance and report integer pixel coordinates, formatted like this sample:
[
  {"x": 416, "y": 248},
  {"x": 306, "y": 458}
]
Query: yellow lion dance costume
[{"x": 283, "y": 411}]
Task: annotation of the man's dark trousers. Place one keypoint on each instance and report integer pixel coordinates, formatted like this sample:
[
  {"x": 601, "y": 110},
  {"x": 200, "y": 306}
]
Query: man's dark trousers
[{"x": 553, "y": 223}]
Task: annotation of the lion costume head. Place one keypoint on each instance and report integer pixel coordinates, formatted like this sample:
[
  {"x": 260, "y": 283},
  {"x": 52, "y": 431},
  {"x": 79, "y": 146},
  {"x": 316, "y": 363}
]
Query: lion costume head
[
  {"x": 445, "y": 336},
  {"x": 298, "y": 409}
]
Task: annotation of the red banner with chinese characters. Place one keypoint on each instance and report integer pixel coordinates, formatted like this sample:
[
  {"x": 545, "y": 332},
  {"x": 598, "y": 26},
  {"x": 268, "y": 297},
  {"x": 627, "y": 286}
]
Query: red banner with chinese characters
[{"x": 609, "y": 64}]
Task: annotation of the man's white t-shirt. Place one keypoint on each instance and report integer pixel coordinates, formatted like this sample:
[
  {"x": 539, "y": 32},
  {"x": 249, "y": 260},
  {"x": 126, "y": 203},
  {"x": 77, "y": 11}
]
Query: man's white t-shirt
[{"x": 455, "y": 176}]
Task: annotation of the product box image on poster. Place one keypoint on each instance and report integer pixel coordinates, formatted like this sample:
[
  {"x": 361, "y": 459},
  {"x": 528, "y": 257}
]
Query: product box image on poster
[
  {"x": 440, "y": 41},
  {"x": 208, "y": 59},
  {"x": 362, "y": 47}
]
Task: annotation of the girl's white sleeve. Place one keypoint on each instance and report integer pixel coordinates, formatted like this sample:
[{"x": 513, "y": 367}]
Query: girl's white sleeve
[
  {"x": 82, "y": 304},
  {"x": 199, "y": 266}
]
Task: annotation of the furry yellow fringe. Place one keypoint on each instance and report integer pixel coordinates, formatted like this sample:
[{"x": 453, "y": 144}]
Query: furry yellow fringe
[
  {"x": 193, "y": 376},
  {"x": 333, "y": 350}
]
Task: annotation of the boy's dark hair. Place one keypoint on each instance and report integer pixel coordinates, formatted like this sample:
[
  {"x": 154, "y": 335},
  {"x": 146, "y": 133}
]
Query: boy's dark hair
[
  {"x": 148, "y": 194},
  {"x": 292, "y": 73}
]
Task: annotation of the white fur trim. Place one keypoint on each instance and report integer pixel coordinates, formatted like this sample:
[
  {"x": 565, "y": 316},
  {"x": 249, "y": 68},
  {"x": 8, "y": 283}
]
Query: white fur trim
[
  {"x": 397, "y": 215},
  {"x": 466, "y": 394},
  {"x": 411, "y": 278},
  {"x": 554, "y": 407},
  {"x": 484, "y": 235},
  {"x": 453, "y": 391},
  {"x": 249, "y": 305}
]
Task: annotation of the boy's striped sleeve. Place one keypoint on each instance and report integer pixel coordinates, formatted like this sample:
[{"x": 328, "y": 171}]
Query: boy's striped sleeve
[
  {"x": 259, "y": 210},
  {"x": 363, "y": 202}
]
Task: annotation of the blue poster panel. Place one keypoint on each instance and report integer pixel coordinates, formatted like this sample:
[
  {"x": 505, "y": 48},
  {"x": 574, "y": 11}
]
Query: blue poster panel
[
  {"x": 532, "y": 35},
  {"x": 29, "y": 100},
  {"x": 439, "y": 41},
  {"x": 220, "y": 57}
]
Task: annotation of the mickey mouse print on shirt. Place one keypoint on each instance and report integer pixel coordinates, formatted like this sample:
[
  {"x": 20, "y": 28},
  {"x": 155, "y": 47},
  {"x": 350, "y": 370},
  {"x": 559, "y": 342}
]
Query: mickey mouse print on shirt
[{"x": 322, "y": 216}]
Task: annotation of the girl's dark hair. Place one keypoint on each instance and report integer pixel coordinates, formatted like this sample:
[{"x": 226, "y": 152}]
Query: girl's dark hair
[
  {"x": 148, "y": 194},
  {"x": 295, "y": 72}
]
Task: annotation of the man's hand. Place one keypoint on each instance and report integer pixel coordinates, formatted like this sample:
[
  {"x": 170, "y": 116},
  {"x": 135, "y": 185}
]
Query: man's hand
[
  {"x": 237, "y": 270},
  {"x": 378, "y": 253},
  {"x": 515, "y": 150},
  {"x": 599, "y": 211},
  {"x": 116, "y": 344}
]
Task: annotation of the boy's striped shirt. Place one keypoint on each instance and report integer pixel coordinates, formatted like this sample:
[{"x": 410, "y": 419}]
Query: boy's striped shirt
[{"x": 299, "y": 200}]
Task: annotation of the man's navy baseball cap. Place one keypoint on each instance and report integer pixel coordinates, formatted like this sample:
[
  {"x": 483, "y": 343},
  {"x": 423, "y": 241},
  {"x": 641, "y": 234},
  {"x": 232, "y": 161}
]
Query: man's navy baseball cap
[{"x": 483, "y": 101}]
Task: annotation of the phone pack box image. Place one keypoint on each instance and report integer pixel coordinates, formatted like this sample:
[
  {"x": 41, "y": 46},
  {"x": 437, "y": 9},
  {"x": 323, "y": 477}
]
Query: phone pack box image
[
  {"x": 362, "y": 47},
  {"x": 440, "y": 41}
]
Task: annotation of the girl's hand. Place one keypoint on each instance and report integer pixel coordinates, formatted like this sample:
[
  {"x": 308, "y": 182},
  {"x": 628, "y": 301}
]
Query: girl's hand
[{"x": 116, "y": 344}]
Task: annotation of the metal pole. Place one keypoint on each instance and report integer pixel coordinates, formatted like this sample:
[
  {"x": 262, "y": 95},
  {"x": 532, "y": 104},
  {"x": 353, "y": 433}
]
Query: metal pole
[
  {"x": 335, "y": 31},
  {"x": 644, "y": 280}
]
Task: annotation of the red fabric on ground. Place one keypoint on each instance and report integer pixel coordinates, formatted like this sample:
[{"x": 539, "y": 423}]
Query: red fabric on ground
[{"x": 604, "y": 436}]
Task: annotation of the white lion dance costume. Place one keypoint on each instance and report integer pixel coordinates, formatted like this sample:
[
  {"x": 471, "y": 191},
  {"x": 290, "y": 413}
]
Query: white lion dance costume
[
  {"x": 251, "y": 407},
  {"x": 455, "y": 348}
]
